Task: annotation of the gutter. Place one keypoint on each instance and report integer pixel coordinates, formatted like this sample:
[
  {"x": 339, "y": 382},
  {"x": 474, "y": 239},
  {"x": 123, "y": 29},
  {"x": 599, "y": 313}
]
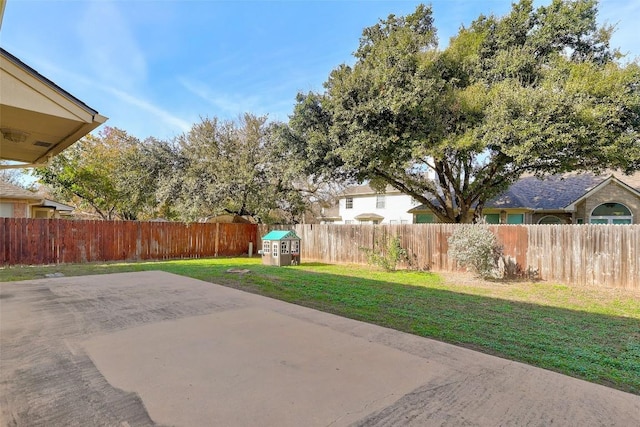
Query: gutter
[{"x": 27, "y": 165}]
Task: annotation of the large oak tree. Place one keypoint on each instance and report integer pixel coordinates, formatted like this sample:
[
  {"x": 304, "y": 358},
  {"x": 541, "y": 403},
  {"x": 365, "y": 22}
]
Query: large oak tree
[
  {"x": 231, "y": 167},
  {"x": 537, "y": 91},
  {"x": 111, "y": 174}
]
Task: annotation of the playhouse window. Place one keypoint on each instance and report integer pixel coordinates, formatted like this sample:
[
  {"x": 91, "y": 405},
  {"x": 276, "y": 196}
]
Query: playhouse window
[
  {"x": 284, "y": 247},
  {"x": 266, "y": 246},
  {"x": 275, "y": 249},
  {"x": 295, "y": 247}
]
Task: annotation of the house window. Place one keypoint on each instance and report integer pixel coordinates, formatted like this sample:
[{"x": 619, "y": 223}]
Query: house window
[
  {"x": 284, "y": 247},
  {"x": 6, "y": 210},
  {"x": 266, "y": 246},
  {"x": 380, "y": 201},
  {"x": 550, "y": 219},
  {"x": 41, "y": 213},
  {"x": 275, "y": 249},
  {"x": 295, "y": 247},
  {"x": 348, "y": 203},
  {"x": 515, "y": 218},
  {"x": 425, "y": 218},
  {"x": 611, "y": 213},
  {"x": 579, "y": 220},
  {"x": 493, "y": 218}
]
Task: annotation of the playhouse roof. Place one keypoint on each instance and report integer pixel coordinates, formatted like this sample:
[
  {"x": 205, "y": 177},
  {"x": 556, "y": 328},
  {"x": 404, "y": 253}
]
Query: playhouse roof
[{"x": 280, "y": 234}]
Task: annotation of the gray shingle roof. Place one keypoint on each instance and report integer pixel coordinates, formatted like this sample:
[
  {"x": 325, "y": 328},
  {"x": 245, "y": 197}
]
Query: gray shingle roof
[
  {"x": 549, "y": 193},
  {"x": 554, "y": 192}
]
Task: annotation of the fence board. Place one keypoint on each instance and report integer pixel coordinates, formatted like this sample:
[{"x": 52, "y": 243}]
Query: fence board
[
  {"x": 585, "y": 255},
  {"x": 39, "y": 241}
]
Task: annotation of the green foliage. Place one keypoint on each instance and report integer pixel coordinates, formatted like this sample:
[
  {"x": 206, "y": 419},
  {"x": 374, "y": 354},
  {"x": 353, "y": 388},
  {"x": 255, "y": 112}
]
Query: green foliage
[
  {"x": 386, "y": 253},
  {"x": 107, "y": 174},
  {"x": 216, "y": 168},
  {"x": 536, "y": 91},
  {"x": 11, "y": 176},
  {"x": 230, "y": 168},
  {"x": 475, "y": 247}
]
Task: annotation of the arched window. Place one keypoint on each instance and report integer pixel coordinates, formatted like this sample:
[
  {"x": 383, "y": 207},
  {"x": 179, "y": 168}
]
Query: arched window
[
  {"x": 611, "y": 213},
  {"x": 550, "y": 219}
]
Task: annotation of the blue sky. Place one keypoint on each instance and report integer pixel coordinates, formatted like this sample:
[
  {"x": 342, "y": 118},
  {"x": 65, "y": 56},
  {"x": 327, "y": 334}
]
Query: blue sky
[{"x": 155, "y": 67}]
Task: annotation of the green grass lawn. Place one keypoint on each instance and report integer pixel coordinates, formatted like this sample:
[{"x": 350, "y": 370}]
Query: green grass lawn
[{"x": 586, "y": 333}]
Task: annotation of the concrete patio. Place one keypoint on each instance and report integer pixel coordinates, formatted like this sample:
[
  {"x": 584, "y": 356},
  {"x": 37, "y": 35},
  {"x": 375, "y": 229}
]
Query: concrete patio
[{"x": 152, "y": 348}]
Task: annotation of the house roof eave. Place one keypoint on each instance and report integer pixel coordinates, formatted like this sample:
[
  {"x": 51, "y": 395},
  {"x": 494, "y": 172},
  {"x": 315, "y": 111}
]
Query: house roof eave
[
  {"x": 368, "y": 216},
  {"x": 572, "y": 206},
  {"x": 38, "y": 118}
]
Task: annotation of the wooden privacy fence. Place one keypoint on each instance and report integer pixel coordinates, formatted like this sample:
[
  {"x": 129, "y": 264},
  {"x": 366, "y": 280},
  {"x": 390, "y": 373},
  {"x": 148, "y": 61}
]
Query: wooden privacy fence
[
  {"x": 426, "y": 244},
  {"x": 53, "y": 241},
  {"x": 586, "y": 255}
]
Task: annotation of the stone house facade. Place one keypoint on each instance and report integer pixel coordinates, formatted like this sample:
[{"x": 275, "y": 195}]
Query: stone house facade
[{"x": 612, "y": 201}]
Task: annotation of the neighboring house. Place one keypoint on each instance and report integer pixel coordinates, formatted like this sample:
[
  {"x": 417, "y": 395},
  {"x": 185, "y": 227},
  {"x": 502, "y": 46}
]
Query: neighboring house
[
  {"x": 16, "y": 202},
  {"x": 561, "y": 199},
  {"x": 329, "y": 215},
  {"x": 364, "y": 205}
]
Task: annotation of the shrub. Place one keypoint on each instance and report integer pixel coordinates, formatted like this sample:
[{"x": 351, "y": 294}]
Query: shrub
[
  {"x": 476, "y": 248},
  {"x": 388, "y": 255}
]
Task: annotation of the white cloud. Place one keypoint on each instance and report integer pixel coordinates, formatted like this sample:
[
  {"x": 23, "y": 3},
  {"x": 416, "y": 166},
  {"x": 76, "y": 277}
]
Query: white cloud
[
  {"x": 161, "y": 114},
  {"x": 109, "y": 46},
  {"x": 228, "y": 104},
  {"x": 83, "y": 85}
]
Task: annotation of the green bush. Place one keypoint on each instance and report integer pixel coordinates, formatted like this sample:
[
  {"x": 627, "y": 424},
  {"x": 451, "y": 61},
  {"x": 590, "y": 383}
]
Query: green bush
[
  {"x": 476, "y": 248},
  {"x": 389, "y": 253}
]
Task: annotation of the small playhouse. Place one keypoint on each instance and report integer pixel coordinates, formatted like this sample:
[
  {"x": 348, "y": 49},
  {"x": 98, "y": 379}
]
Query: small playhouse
[{"x": 280, "y": 247}]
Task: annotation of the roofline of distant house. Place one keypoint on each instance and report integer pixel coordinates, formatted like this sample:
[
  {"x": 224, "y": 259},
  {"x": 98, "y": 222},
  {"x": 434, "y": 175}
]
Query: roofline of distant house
[
  {"x": 48, "y": 203},
  {"x": 366, "y": 190},
  {"x": 611, "y": 178}
]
